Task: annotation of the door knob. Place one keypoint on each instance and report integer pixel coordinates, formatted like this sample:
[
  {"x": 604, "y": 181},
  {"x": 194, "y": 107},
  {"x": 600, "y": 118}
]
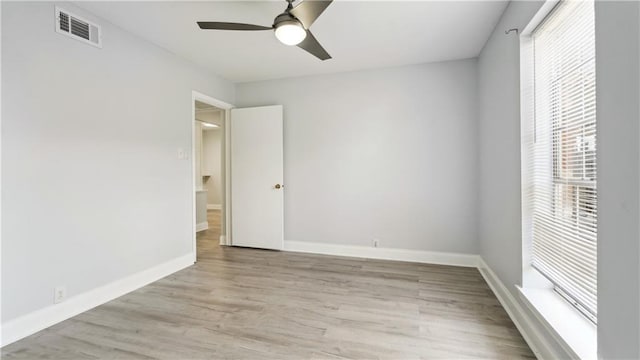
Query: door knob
[{"x": 278, "y": 186}]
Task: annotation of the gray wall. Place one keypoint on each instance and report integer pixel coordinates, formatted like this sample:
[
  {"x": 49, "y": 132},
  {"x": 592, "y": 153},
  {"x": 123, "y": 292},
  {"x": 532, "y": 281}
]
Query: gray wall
[
  {"x": 92, "y": 188},
  {"x": 618, "y": 94},
  {"x": 499, "y": 158},
  {"x": 499, "y": 145},
  {"x": 385, "y": 154}
]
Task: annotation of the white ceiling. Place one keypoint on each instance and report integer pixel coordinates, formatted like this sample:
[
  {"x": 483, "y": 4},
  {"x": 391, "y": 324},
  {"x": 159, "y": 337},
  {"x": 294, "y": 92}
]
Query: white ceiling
[{"x": 358, "y": 34}]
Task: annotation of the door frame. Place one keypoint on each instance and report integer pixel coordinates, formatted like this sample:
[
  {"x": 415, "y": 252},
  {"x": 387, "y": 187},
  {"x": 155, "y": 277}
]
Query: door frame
[{"x": 225, "y": 233}]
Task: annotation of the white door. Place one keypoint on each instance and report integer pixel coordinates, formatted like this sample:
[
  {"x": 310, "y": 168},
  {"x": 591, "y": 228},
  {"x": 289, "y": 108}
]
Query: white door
[{"x": 257, "y": 201}]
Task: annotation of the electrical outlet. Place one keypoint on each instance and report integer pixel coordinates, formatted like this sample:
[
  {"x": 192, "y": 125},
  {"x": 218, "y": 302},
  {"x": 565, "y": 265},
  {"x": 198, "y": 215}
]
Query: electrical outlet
[
  {"x": 375, "y": 243},
  {"x": 59, "y": 294}
]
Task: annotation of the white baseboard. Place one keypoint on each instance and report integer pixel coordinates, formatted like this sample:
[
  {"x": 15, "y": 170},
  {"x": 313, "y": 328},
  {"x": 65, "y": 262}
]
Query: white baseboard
[
  {"x": 525, "y": 324},
  {"x": 26, "y": 325},
  {"x": 223, "y": 240},
  {"x": 202, "y": 226},
  {"x": 428, "y": 257},
  {"x": 214, "y": 206}
]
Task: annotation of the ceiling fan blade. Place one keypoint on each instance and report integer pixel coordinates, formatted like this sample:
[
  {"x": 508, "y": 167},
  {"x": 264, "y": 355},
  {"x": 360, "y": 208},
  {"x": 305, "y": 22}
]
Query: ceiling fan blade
[
  {"x": 313, "y": 47},
  {"x": 212, "y": 25},
  {"x": 309, "y": 10}
]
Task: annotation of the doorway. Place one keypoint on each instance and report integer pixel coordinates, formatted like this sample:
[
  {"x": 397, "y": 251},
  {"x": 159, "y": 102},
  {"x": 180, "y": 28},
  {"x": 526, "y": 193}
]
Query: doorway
[
  {"x": 209, "y": 173},
  {"x": 257, "y": 142}
]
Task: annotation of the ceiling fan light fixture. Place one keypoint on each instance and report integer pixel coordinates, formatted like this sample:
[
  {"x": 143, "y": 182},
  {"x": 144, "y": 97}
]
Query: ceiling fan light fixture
[{"x": 290, "y": 32}]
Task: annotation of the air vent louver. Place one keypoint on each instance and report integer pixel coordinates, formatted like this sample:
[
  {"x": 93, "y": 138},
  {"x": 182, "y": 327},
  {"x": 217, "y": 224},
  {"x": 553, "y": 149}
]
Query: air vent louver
[
  {"x": 80, "y": 28},
  {"x": 77, "y": 28},
  {"x": 64, "y": 22}
]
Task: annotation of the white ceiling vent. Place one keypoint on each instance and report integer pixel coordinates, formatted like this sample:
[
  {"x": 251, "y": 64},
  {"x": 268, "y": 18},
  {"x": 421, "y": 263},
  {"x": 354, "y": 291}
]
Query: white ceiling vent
[{"x": 78, "y": 28}]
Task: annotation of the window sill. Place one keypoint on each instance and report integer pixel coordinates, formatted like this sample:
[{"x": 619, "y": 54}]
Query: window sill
[{"x": 576, "y": 334}]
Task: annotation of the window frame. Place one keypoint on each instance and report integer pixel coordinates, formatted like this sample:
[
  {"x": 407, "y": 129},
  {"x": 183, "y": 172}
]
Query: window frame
[{"x": 573, "y": 331}]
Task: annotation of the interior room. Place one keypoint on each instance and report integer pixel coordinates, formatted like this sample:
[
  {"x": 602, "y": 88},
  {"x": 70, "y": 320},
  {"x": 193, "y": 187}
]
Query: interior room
[
  {"x": 208, "y": 137},
  {"x": 209, "y": 175},
  {"x": 317, "y": 179}
]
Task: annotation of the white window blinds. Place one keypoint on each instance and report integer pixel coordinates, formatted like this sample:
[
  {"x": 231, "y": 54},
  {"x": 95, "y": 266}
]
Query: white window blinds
[{"x": 563, "y": 195}]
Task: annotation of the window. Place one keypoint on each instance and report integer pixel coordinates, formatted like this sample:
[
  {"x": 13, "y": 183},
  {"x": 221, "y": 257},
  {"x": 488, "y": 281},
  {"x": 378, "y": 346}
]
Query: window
[{"x": 561, "y": 191}]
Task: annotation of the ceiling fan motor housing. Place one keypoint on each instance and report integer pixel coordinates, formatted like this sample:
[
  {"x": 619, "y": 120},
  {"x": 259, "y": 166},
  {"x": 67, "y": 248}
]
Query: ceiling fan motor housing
[{"x": 284, "y": 19}]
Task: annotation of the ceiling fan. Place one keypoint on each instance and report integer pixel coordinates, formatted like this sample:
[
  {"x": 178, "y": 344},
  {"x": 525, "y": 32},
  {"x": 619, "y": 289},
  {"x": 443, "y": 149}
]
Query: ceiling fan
[{"x": 291, "y": 27}]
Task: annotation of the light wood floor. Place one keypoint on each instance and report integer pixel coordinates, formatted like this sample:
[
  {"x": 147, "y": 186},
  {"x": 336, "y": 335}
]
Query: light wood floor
[{"x": 255, "y": 304}]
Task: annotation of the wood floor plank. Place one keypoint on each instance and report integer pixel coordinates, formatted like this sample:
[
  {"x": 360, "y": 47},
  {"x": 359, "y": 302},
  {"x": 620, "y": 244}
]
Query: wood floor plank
[{"x": 241, "y": 303}]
